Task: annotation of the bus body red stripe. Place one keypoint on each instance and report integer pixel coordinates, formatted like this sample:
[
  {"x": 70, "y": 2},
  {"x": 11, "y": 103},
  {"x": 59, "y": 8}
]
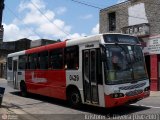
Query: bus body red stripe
[{"x": 47, "y": 47}]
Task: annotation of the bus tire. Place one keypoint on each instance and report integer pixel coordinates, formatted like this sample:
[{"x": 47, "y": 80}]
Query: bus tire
[
  {"x": 74, "y": 98},
  {"x": 23, "y": 89}
]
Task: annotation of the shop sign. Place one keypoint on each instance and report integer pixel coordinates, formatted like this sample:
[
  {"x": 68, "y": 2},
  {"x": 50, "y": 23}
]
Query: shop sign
[
  {"x": 153, "y": 46},
  {"x": 137, "y": 30}
]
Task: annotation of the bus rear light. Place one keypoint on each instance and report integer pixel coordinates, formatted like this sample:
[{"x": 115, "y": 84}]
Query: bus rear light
[{"x": 117, "y": 95}]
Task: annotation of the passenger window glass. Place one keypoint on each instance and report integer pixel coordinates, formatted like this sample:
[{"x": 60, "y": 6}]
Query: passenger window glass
[
  {"x": 22, "y": 62},
  {"x": 99, "y": 69},
  {"x": 43, "y": 60},
  {"x": 56, "y": 59},
  {"x": 33, "y": 61},
  {"x": 72, "y": 57},
  {"x": 93, "y": 66}
]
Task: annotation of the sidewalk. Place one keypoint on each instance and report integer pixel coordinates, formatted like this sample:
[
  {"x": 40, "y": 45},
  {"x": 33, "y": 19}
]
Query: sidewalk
[
  {"x": 8, "y": 112},
  {"x": 155, "y": 94}
]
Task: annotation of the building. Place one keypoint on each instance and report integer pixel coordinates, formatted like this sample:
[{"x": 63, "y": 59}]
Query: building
[
  {"x": 1, "y": 26},
  {"x": 140, "y": 18},
  {"x": 10, "y": 47},
  {"x": 41, "y": 42},
  {"x": 15, "y": 46}
]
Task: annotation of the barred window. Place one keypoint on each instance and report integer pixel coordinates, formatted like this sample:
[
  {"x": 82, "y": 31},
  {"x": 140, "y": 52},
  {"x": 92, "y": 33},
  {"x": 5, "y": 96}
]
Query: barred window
[{"x": 112, "y": 21}]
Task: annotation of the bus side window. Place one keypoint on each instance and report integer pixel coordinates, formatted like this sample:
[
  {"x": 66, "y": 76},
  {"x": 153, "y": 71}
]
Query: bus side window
[
  {"x": 56, "y": 59},
  {"x": 22, "y": 62},
  {"x": 27, "y": 62},
  {"x": 33, "y": 61},
  {"x": 9, "y": 63},
  {"x": 72, "y": 58},
  {"x": 43, "y": 60}
]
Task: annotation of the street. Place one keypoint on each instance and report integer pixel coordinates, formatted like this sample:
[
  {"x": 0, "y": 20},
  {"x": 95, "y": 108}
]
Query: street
[{"x": 40, "y": 107}]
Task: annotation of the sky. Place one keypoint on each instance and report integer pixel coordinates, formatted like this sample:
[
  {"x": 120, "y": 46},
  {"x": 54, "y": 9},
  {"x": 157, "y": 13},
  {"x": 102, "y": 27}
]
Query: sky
[{"x": 51, "y": 19}]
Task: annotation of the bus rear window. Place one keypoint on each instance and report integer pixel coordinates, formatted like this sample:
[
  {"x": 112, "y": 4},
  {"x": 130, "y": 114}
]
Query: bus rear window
[{"x": 9, "y": 62}]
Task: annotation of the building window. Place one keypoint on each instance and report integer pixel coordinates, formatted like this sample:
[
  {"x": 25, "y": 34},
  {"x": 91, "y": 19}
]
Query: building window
[
  {"x": 56, "y": 59},
  {"x": 9, "y": 63},
  {"x": 72, "y": 57},
  {"x": 112, "y": 21}
]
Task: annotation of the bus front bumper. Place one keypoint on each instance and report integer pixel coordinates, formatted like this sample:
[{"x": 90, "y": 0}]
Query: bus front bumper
[{"x": 113, "y": 102}]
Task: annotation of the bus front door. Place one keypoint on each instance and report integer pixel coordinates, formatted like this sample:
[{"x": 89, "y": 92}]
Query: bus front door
[
  {"x": 15, "y": 81},
  {"x": 90, "y": 85}
]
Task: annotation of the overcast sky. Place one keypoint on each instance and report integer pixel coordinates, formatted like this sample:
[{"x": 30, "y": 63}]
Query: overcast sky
[{"x": 51, "y": 19}]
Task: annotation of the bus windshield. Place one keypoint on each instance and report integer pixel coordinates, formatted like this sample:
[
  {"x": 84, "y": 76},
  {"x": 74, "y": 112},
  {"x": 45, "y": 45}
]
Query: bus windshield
[{"x": 124, "y": 63}]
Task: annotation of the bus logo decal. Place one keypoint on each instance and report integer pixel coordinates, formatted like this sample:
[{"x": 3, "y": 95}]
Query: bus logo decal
[{"x": 38, "y": 80}]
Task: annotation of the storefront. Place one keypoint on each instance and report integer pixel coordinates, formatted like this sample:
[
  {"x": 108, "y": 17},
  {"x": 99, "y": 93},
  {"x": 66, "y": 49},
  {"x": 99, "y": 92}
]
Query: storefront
[{"x": 152, "y": 50}]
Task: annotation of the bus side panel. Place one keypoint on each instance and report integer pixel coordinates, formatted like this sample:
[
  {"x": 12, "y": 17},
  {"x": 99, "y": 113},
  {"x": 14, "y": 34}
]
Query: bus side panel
[
  {"x": 37, "y": 82},
  {"x": 57, "y": 81},
  {"x": 20, "y": 77},
  {"x": 50, "y": 83}
]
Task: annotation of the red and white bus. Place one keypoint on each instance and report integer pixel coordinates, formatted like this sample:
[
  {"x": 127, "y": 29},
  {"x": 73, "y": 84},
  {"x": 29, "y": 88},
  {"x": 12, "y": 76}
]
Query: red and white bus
[{"x": 105, "y": 70}]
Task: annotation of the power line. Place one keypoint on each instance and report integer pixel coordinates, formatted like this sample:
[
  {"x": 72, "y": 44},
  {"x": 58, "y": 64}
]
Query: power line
[
  {"x": 101, "y": 8},
  {"x": 49, "y": 19},
  {"x": 89, "y": 5},
  {"x": 86, "y": 4},
  {"x": 21, "y": 20},
  {"x": 95, "y": 4}
]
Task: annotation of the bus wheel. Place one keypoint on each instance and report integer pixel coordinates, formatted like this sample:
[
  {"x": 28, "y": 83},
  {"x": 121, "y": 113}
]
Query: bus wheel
[
  {"x": 74, "y": 99},
  {"x": 23, "y": 89}
]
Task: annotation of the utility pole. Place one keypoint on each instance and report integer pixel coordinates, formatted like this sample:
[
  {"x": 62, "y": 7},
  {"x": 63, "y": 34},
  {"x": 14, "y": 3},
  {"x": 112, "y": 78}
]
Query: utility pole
[{"x": 1, "y": 26}]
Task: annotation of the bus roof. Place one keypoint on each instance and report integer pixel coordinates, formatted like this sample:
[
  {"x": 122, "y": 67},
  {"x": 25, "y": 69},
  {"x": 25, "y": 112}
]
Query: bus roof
[
  {"x": 16, "y": 54},
  {"x": 67, "y": 43},
  {"x": 82, "y": 40},
  {"x": 77, "y": 41}
]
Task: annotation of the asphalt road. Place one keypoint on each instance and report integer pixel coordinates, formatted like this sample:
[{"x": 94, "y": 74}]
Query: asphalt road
[{"x": 45, "y": 108}]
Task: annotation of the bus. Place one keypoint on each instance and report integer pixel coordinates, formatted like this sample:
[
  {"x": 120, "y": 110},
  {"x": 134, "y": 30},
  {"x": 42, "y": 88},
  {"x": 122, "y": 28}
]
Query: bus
[{"x": 105, "y": 70}]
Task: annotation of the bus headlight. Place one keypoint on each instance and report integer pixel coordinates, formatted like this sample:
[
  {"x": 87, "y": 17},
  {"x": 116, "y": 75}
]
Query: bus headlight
[
  {"x": 147, "y": 88},
  {"x": 117, "y": 95}
]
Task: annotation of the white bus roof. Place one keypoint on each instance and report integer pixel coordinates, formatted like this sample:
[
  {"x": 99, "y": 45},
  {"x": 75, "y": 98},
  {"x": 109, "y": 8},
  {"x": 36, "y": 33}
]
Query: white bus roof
[
  {"x": 87, "y": 39},
  {"x": 16, "y": 54},
  {"x": 78, "y": 41}
]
